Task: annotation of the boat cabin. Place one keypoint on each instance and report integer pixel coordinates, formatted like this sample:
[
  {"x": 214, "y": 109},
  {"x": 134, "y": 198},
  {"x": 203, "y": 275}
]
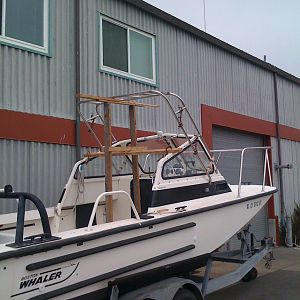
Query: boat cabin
[{"x": 156, "y": 171}]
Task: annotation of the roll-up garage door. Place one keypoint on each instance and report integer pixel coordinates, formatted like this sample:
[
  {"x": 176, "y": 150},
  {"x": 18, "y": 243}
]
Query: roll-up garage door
[{"x": 229, "y": 163}]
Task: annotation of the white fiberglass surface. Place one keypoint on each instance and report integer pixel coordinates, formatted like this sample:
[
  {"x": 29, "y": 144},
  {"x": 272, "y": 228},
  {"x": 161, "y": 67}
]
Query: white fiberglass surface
[
  {"x": 246, "y": 191},
  {"x": 249, "y": 190}
]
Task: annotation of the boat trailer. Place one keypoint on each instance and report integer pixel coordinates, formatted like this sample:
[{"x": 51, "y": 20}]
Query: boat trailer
[{"x": 195, "y": 287}]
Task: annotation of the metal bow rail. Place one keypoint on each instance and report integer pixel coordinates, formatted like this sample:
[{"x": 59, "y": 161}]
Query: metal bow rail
[{"x": 243, "y": 151}]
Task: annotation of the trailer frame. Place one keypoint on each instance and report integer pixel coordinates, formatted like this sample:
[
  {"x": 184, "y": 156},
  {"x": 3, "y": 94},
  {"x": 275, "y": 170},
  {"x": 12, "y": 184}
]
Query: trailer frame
[{"x": 247, "y": 257}]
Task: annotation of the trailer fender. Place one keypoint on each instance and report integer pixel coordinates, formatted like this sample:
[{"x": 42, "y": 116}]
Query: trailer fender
[{"x": 164, "y": 290}]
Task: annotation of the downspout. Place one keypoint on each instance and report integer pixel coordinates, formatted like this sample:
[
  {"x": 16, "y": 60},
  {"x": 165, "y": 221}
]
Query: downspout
[
  {"x": 281, "y": 194},
  {"x": 77, "y": 78}
]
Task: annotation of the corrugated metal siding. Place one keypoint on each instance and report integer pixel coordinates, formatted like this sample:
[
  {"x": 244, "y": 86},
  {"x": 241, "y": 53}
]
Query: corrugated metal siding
[
  {"x": 39, "y": 84},
  {"x": 196, "y": 70},
  {"x": 289, "y": 102},
  {"x": 38, "y": 168},
  {"x": 291, "y": 177}
]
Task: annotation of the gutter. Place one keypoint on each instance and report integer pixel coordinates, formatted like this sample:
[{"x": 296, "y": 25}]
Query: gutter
[
  {"x": 281, "y": 193},
  {"x": 77, "y": 78}
]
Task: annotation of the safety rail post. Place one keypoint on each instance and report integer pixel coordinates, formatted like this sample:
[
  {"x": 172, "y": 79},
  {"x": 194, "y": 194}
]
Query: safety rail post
[
  {"x": 89, "y": 228},
  {"x": 20, "y": 220},
  {"x": 241, "y": 172},
  {"x": 265, "y": 168},
  {"x": 135, "y": 159},
  {"x": 108, "y": 161},
  {"x": 269, "y": 170},
  {"x": 266, "y": 164}
]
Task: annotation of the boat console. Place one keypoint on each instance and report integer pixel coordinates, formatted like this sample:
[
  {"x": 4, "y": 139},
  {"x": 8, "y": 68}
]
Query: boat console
[{"x": 19, "y": 239}]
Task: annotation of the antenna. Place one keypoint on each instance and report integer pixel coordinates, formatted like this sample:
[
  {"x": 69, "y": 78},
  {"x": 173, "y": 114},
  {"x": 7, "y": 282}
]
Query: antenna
[{"x": 204, "y": 16}]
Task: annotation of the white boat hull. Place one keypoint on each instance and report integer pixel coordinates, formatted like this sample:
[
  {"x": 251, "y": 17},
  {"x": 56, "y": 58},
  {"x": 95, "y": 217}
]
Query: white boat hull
[{"x": 89, "y": 264}]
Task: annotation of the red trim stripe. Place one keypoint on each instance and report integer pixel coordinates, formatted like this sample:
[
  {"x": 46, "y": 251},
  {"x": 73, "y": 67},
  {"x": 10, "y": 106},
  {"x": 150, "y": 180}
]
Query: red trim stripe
[
  {"x": 215, "y": 116},
  {"x": 44, "y": 129}
]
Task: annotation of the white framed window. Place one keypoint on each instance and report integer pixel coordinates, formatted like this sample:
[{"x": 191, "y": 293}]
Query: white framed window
[
  {"x": 25, "y": 24},
  {"x": 126, "y": 51}
]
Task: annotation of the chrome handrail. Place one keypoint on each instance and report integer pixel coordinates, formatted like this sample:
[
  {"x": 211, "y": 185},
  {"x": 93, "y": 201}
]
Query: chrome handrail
[
  {"x": 266, "y": 164},
  {"x": 89, "y": 228}
]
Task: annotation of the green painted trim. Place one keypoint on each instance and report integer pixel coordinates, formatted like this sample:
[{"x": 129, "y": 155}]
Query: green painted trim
[
  {"x": 44, "y": 53},
  {"x": 157, "y": 63},
  {"x": 23, "y": 48},
  {"x": 50, "y": 30},
  {"x": 128, "y": 77},
  {"x": 98, "y": 44},
  {"x": 125, "y": 24}
]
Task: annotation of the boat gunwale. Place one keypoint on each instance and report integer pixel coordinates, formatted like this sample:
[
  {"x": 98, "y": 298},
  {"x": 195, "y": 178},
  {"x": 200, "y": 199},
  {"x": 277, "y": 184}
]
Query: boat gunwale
[{"x": 29, "y": 250}]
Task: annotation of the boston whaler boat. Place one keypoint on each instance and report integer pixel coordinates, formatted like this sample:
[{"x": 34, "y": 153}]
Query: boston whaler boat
[{"x": 98, "y": 237}]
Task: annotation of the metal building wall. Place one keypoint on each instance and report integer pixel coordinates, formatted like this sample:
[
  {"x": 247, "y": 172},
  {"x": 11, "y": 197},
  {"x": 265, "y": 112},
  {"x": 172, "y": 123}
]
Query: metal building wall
[
  {"x": 38, "y": 168},
  {"x": 196, "y": 70},
  {"x": 42, "y": 85},
  {"x": 37, "y": 83},
  {"x": 193, "y": 68},
  {"x": 289, "y": 108},
  {"x": 289, "y": 102},
  {"x": 291, "y": 177}
]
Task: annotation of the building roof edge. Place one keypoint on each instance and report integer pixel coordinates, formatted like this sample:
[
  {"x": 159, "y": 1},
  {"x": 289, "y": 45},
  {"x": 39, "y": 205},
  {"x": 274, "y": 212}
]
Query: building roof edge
[{"x": 211, "y": 39}]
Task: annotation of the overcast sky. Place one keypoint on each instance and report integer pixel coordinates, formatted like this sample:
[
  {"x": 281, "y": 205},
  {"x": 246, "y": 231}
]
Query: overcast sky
[{"x": 259, "y": 27}]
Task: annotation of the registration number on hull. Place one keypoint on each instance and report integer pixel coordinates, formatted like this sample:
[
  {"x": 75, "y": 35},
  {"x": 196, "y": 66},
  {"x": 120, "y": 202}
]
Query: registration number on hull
[{"x": 254, "y": 204}]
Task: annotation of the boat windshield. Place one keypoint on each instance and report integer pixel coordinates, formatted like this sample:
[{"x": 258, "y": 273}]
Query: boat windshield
[
  {"x": 193, "y": 161},
  {"x": 121, "y": 165}
]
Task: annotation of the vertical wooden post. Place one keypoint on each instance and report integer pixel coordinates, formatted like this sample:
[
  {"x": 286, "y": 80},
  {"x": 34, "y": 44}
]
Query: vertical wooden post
[
  {"x": 135, "y": 162},
  {"x": 108, "y": 161}
]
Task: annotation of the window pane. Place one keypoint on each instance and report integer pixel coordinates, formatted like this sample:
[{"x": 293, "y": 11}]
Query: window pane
[
  {"x": 114, "y": 46},
  {"x": 141, "y": 55},
  {"x": 188, "y": 163},
  {"x": 25, "y": 21}
]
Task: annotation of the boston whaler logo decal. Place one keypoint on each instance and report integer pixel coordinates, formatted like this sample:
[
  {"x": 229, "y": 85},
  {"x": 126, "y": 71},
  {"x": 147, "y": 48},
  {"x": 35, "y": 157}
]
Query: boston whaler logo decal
[
  {"x": 41, "y": 280},
  {"x": 254, "y": 204},
  {"x": 32, "y": 280}
]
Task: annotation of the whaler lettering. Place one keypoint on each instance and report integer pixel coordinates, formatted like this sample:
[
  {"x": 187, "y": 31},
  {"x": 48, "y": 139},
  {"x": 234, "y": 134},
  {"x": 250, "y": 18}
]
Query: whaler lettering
[{"x": 40, "y": 279}]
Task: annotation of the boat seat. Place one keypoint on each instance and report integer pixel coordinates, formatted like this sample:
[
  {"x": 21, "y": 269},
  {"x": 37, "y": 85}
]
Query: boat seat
[{"x": 83, "y": 214}]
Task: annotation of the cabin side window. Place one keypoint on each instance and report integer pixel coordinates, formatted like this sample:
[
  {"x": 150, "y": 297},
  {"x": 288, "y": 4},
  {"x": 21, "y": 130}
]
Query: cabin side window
[{"x": 193, "y": 161}]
